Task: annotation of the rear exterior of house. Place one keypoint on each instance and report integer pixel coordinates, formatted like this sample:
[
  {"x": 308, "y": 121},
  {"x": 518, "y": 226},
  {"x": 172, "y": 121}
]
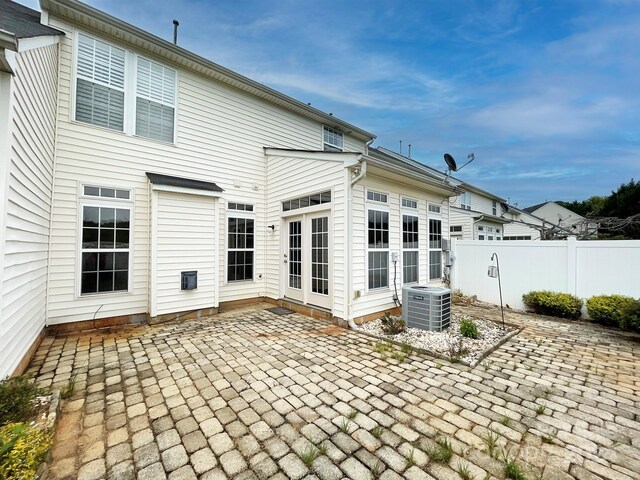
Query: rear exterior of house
[{"x": 170, "y": 186}]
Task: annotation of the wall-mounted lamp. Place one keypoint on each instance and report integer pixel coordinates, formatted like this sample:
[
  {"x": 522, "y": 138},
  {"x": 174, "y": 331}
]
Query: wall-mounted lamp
[{"x": 271, "y": 227}]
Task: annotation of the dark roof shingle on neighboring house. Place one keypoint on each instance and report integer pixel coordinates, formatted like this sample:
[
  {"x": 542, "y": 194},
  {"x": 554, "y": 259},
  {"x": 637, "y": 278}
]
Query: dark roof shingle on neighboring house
[
  {"x": 533, "y": 208},
  {"x": 23, "y": 22}
]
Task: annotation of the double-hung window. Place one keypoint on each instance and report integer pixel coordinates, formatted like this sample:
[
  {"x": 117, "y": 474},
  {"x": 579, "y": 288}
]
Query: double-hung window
[
  {"x": 465, "y": 200},
  {"x": 100, "y": 83},
  {"x": 105, "y": 241},
  {"x": 378, "y": 249},
  {"x": 333, "y": 140},
  {"x": 435, "y": 246},
  {"x": 410, "y": 252},
  {"x": 137, "y": 101},
  {"x": 240, "y": 242},
  {"x": 155, "y": 100},
  {"x": 494, "y": 207}
]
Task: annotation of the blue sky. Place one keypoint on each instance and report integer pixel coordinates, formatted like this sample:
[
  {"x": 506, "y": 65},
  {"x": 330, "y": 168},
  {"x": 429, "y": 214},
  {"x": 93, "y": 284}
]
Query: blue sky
[{"x": 545, "y": 93}]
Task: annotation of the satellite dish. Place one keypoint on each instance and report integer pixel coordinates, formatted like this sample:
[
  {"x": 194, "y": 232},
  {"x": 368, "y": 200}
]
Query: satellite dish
[
  {"x": 505, "y": 206},
  {"x": 451, "y": 163}
]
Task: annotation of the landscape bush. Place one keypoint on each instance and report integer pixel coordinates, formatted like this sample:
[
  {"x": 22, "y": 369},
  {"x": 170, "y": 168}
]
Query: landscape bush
[
  {"x": 555, "y": 304},
  {"x": 392, "y": 324},
  {"x": 631, "y": 317},
  {"x": 16, "y": 399},
  {"x": 608, "y": 309},
  {"x": 23, "y": 448},
  {"x": 468, "y": 328}
]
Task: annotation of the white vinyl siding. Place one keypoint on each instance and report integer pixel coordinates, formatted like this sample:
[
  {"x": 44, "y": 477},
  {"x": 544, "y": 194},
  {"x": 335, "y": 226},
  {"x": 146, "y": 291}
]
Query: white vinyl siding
[
  {"x": 290, "y": 178},
  {"x": 220, "y": 133},
  {"x": 186, "y": 241},
  {"x": 26, "y": 197},
  {"x": 100, "y": 83},
  {"x": 155, "y": 100}
]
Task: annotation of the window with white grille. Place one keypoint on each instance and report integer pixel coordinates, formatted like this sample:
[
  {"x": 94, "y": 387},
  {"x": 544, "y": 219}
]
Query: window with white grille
[
  {"x": 378, "y": 249},
  {"x": 333, "y": 140},
  {"x": 465, "y": 200},
  {"x": 410, "y": 252},
  {"x": 100, "y": 83},
  {"x": 155, "y": 100}
]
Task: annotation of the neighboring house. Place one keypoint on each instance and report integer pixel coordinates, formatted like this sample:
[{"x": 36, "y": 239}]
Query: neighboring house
[
  {"x": 146, "y": 183},
  {"x": 523, "y": 225},
  {"x": 563, "y": 222}
]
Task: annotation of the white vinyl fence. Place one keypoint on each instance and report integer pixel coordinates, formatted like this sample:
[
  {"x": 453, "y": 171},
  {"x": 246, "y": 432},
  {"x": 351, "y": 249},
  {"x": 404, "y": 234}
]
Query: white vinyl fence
[{"x": 582, "y": 268}]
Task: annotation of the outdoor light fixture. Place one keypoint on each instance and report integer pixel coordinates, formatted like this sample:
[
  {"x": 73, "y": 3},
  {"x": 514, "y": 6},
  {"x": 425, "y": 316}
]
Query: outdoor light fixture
[{"x": 271, "y": 227}]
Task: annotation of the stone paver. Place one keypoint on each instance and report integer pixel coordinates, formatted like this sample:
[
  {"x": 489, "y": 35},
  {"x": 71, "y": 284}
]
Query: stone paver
[{"x": 248, "y": 394}]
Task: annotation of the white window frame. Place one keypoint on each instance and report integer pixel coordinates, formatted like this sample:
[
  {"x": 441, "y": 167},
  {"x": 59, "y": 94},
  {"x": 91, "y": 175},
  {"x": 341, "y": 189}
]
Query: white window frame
[
  {"x": 438, "y": 217},
  {"x": 135, "y": 98},
  {"x": 413, "y": 208},
  {"x": 377, "y": 192},
  {"x": 338, "y": 148},
  {"x": 494, "y": 207},
  {"x": 247, "y": 215},
  {"x": 103, "y": 202},
  {"x": 416, "y": 249},
  {"x": 465, "y": 200},
  {"x": 130, "y": 91},
  {"x": 377, "y": 208}
]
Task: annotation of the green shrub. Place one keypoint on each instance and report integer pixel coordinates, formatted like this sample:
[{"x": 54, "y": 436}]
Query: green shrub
[
  {"x": 22, "y": 449},
  {"x": 631, "y": 317},
  {"x": 609, "y": 309},
  {"x": 16, "y": 399},
  {"x": 392, "y": 324},
  {"x": 468, "y": 328},
  {"x": 554, "y": 304}
]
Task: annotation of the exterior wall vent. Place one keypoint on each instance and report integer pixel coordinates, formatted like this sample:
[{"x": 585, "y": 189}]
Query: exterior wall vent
[
  {"x": 189, "y": 280},
  {"x": 426, "y": 308}
]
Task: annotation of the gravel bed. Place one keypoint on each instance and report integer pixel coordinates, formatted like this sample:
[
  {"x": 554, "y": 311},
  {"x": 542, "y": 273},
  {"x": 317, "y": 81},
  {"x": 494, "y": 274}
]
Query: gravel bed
[{"x": 448, "y": 342}]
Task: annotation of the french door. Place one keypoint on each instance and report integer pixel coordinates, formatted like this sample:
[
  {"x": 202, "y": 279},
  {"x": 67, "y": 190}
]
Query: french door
[{"x": 307, "y": 255}]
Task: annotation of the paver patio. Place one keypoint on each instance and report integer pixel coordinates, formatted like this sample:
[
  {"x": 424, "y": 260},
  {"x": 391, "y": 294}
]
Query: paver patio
[{"x": 244, "y": 394}]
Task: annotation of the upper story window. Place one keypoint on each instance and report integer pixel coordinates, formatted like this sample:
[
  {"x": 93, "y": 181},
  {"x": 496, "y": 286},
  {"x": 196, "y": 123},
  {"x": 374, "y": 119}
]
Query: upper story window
[
  {"x": 377, "y": 197},
  {"x": 494, "y": 207},
  {"x": 408, "y": 203},
  {"x": 333, "y": 140},
  {"x": 155, "y": 100},
  {"x": 465, "y": 200},
  {"x": 104, "y": 86},
  {"x": 100, "y": 83}
]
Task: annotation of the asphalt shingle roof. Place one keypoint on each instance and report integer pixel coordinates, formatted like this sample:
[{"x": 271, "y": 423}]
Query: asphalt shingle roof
[{"x": 22, "y": 21}]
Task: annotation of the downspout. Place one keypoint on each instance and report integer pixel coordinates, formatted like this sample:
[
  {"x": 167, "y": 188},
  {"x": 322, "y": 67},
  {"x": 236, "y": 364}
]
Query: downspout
[
  {"x": 473, "y": 227},
  {"x": 349, "y": 245}
]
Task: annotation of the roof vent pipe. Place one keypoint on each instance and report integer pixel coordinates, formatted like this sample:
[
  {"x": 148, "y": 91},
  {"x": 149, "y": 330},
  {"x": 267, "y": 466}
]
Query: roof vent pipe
[{"x": 176, "y": 24}]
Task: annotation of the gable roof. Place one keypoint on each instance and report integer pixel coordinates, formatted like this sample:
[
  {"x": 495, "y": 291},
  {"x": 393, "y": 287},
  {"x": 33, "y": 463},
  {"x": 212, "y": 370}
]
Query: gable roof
[
  {"x": 533, "y": 208},
  {"x": 23, "y": 22},
  {"x": 94, "y": 19}
]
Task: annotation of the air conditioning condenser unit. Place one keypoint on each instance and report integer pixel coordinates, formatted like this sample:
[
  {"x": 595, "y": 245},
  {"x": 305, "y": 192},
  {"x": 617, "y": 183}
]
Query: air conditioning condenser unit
[{"x": 425, "y": 307}]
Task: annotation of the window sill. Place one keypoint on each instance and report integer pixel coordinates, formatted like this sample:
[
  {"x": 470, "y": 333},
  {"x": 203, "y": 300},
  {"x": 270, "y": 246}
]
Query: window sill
[{"x": 125, "y": 134}]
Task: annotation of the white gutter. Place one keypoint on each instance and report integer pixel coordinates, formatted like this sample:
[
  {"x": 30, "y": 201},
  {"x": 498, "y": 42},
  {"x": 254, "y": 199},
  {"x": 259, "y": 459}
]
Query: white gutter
[
  {"x": 349, "y": 183},
  {"x": 473, "y": 226}
]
